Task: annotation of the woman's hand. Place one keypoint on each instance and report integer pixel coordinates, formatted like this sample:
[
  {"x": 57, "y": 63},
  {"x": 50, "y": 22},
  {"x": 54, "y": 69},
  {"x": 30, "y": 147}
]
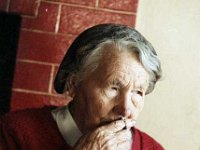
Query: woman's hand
[{"x": 114, "y": 136}]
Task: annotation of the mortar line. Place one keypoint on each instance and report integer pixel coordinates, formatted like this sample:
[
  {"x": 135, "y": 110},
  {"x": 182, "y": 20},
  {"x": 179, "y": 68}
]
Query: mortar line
[
  {"x": 58, "y": 19},
  {"x": 93, "y": 8},
  {"x": 7, "y": 5},
  {"x": 37, "y": 8},
  {"x": 97, "y": 3},
  {"x": 51, "y": 79},
  {"x": 35, "y": 92},
  {"x": 47, "y": 32},
  {"x": 37, "y": 62}
]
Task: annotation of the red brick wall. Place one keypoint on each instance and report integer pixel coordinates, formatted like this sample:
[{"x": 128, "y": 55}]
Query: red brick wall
[{"x": 48, "y": 27}]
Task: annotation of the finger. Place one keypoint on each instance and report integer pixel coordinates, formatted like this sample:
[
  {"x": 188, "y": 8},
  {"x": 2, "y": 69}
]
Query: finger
[
  {"x": 117, "y": 141},
  {"x": 114, "y": 126},
  {"x": 124, "y": 140},
  {"x": 124, "y": 133},
  {"x": 118, "y": 125},
  {"x": 125, "y": 145},
  {"x": 119, "y": 137},
  {"x": 129, "y": 123}
]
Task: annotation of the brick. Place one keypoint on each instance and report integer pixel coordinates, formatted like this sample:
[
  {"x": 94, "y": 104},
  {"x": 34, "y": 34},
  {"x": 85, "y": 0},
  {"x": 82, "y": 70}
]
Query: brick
[
  {"x": 25, "y": 7},
  {"x": 3, "y": 4},
  {"x": 125, "y": 5},
  {"x": 43, "y": 47},
  {"x": 45, "y": 20},
  {"x": 80, "y": 2},
  {"x": 32, "y": 76},
  {"x": 22, "y": 100},
  {"x": 74, "y": 20}
]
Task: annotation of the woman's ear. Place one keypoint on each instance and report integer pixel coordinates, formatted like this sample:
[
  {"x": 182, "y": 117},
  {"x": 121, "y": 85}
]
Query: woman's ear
[{"x": 70, "y": 85}]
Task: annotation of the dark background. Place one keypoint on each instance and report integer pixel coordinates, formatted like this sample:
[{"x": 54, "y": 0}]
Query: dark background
[{"x": 9, "y": 34}]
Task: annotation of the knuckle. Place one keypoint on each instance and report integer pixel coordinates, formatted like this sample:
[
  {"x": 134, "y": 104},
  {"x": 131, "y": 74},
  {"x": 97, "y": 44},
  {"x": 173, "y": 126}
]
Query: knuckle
[
  {"x": 109, "y": 143},
  {"x": 100, "y": 133},
  {"x": 118, "y": 123}
]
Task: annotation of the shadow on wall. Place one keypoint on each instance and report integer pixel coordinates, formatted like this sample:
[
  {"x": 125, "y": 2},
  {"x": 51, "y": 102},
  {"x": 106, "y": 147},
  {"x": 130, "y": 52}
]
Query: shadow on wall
[{"x": 9, "y": 35}]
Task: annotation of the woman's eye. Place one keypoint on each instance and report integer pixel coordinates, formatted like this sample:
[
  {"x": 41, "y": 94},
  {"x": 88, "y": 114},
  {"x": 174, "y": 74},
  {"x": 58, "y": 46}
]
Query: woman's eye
[
  {"x": 114, "y": 88},
  {"x": 139, "y": 93},
  {"x": 112, "y": 91}
]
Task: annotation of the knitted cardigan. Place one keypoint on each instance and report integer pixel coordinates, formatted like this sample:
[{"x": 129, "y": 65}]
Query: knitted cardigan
[{"x": 35, "y": 129}]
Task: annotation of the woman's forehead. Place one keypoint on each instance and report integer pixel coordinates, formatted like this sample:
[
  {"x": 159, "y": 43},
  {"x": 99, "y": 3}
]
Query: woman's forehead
[
  {"x": 118, "y": 61},
  {"x": 124, "y": 67}
]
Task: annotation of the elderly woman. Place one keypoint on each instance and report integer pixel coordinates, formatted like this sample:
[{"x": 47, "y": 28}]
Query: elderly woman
[{"x": 107, "y": 72}]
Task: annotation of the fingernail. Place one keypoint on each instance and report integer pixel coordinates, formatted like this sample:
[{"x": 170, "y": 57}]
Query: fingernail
[
  {"x": 130, "y": 123},
  {"x": 120, "y": 123}
]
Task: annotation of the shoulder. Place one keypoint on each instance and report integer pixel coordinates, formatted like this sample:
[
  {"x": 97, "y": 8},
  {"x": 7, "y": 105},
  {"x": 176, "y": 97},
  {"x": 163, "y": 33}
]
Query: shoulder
[
  {"x": 31, "y": 128},
  {"x": 24, "y": 121},
  {"x": 146, "y": 141},
  {"x": 27, "y": 115}
]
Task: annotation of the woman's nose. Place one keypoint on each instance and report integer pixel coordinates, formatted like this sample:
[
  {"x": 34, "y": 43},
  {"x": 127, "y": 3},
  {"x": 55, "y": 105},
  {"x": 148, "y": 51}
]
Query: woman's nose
[{"x": 123, "y": 106}]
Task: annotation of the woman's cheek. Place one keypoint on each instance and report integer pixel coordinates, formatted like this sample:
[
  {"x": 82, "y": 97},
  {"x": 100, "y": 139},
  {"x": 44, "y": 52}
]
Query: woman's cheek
[
  {"x": 138, "y": 102},
  {"x": 141, "y": 105}
]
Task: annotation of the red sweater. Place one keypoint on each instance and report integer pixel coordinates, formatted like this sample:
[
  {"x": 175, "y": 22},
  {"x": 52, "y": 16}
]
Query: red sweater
[{"x": 35, "y": 129}]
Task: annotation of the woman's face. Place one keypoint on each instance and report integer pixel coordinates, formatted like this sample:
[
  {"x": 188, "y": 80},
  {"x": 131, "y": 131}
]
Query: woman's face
[{"x": 115, "y": 89}]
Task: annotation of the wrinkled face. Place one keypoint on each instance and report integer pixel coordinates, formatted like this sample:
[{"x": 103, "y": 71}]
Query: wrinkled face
[{"x": 115, "y": 89}]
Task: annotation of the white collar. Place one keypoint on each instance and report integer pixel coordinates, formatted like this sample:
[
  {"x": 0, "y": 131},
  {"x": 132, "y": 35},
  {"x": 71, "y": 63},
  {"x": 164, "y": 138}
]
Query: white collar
[{"x": 66, "y": 125}]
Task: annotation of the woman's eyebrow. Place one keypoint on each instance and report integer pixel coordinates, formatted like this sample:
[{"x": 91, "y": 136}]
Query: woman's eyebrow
[
  {"x": 119, "y": 83},
  {"x": 141, "y": 86},
  {"x": 116, "y": 82}
]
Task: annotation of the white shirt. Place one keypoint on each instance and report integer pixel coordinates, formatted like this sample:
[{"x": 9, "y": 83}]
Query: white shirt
[{"x": 66, "y": 125}]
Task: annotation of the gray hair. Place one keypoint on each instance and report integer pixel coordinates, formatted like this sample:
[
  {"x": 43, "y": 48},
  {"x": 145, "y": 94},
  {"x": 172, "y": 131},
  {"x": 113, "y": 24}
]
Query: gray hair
[
  {"x": 149, "y": 61},
  {"x": 84, "y": 54}
]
